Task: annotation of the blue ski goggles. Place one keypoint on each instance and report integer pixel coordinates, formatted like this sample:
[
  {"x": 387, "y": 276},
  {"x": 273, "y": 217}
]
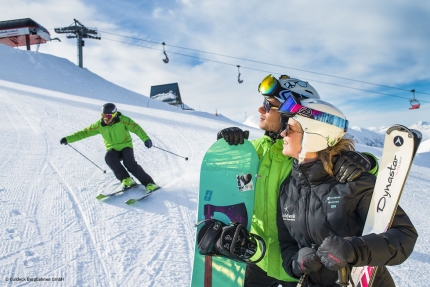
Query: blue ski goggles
[{"x": 292, "y": 107}]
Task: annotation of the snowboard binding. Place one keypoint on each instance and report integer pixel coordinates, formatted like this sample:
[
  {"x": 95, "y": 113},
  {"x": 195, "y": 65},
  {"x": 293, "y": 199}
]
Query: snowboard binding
[{"x": 232, "y": 241}]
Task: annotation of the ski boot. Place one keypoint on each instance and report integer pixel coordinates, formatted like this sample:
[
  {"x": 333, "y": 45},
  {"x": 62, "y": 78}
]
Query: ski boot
[
  {"x": 150, "y": 187},
  {"x": 127, "y": 183}
]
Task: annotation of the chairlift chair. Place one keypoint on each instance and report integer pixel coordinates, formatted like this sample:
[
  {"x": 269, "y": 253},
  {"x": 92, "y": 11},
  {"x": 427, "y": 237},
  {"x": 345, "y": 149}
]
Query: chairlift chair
[
  {"x": 415, "y": 104},
  {"x": 238, "y": 76},
  {"x": 166, "y": 60}
]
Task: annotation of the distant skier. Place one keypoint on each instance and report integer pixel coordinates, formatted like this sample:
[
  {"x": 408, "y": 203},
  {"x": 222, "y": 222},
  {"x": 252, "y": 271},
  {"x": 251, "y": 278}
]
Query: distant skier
[{"x": 115, "y": 129}]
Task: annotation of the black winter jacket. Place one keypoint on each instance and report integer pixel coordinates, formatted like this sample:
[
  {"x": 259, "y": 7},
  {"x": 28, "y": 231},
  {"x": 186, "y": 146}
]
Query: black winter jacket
[{"x": 313, "y": 205}]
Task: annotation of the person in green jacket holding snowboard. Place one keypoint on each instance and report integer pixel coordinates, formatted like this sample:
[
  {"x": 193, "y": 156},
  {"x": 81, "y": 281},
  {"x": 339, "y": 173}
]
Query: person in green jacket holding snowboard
[
  {"x": 274, "y": 168},
  {"x": 115, "y": 129}
]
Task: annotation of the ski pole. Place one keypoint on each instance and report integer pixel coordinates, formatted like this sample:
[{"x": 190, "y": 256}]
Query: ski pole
[
  {"x": 343, "y": 278},
  {"x": 104, "y": 171},
  {"x": 302, "y": 280},
  {"x": 186, "y": 158},
  {"x": 303, "y": 277}
]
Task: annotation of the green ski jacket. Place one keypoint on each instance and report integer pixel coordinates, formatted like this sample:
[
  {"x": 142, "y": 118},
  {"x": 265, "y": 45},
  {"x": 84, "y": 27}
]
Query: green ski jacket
[
  {"x": 116, "y": 135},
  {"x": 274, "y": 168}
]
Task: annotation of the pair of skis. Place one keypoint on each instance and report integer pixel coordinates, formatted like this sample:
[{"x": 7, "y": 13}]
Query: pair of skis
[{"x": 102, "y": 196}]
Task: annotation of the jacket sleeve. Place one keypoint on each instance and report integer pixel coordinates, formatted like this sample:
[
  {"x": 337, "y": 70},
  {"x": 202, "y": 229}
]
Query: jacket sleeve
[
  {"x": 89, "y": 131},
  {"x": 374, "y": 166},
  {"x": 288, "y": 245},
  {"x": 133, "y": 127},
  {"x": 392, "y": 247}
]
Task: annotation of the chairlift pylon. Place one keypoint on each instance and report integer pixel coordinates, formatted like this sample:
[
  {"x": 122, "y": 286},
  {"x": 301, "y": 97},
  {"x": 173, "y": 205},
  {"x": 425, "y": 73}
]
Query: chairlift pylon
[
  {"x": 238, "y": 76},
  {"x": 166, "y": 60},
  {"x": 415, "y": 104}
]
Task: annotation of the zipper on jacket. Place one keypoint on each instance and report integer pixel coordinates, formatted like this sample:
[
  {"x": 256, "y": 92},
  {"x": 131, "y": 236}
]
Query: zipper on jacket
[{"x": 307, "y": 204}]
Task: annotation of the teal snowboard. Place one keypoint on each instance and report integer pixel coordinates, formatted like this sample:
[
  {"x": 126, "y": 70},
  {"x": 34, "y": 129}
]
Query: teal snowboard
[{"x": 227, "y": 180}]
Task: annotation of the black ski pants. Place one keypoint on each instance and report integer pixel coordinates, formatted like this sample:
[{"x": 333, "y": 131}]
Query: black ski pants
[
  {"x": 113, "y": 160},
  {"x": 257, "y": 277}
]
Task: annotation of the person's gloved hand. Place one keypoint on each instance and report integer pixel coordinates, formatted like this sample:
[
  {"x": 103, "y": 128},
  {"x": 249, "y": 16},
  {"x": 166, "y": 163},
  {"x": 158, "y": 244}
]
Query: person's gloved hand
[
  {"x": 336, "y": 252},
  {"x": 305, "y": 261},
  {"x": 148, "y": 143},
  {"x": 63, "y": 141},
  {"x": 233, "y": 135},
  {"x": 350, "y": 166}
]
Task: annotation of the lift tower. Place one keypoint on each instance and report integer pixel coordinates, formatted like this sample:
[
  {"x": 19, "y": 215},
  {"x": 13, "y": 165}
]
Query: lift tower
[{"x": 79, "y": 31}]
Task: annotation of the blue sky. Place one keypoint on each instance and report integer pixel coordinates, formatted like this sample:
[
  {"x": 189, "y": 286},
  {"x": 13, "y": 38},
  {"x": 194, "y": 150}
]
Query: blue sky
[{"x": 383, "y": 42}]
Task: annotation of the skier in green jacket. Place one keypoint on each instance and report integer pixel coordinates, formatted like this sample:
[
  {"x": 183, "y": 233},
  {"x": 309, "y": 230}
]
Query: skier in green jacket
[
  {"x": 115, "y": 129},
  {"x": 274, "y": 168}
]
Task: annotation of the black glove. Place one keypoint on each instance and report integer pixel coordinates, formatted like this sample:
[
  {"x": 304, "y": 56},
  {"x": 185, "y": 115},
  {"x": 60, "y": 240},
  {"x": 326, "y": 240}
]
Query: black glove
[
  {"x": 148, "y": 143},
  {"x": 350, "y": 166},
  {"x": 63, "y": 141},
  {"x": 305, "y": 261},
  {"x": 336, "y": 252},
  {"x": 233, "y": 135}
]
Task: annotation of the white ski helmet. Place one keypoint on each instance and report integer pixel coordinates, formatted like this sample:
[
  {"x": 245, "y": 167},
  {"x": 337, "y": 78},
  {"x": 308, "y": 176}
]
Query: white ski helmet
[
  {"x": 323, "y": 124},
  {"x": 302, "y": 88}
]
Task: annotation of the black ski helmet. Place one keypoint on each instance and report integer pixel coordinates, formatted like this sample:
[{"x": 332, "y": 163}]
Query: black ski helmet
[{"x": 108, "y": 109}]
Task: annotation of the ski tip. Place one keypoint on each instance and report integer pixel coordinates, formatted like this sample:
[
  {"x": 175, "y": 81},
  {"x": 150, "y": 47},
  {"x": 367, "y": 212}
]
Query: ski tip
[
  {"x": 131, "y": 201},
  {"x": 101, "y": 196}
]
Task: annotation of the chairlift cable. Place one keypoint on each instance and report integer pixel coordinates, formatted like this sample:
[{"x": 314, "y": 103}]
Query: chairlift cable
[
  {"x": 275, "y": 65},
  {"x": 265, "y": 71}
]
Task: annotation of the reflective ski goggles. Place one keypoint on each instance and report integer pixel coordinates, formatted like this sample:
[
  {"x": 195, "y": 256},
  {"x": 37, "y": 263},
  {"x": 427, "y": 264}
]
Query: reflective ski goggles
[
  {"x": 269, "y": 86},
  {"x": 292, "y": 106},
  {"x": 108, "y": 116},
  {"x": 268, "y": 106}
]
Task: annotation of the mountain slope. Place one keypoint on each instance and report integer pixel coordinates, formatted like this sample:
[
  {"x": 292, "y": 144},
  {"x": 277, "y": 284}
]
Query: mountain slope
[{"x": 52, "y": 225}]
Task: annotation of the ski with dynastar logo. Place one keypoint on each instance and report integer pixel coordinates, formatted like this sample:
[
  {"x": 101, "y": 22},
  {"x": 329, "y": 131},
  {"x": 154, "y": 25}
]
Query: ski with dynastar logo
[{"x": 400, "y": 147}]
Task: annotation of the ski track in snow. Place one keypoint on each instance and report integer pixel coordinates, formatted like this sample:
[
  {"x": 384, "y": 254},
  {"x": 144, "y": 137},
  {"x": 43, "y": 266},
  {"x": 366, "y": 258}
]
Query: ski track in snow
[
  {"x": 67, "y": 233},
  {"x": 52, "y": 225}
]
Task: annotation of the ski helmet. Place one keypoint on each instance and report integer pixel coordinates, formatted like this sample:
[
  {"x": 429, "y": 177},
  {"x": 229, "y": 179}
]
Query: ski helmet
[
  {"x": 280, "y": 89},
  {"x": 108, "y": 109},
  {"x": 303, "y": 89},
  {"x": 323, "y": 124}
]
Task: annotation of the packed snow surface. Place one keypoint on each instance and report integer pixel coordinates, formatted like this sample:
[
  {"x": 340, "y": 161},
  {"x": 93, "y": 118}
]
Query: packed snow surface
[{"x": 53, "y": 227}]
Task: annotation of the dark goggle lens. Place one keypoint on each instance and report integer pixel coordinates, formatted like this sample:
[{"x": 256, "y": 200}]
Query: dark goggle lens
[
  {"x": 107, "y": 116},
  {"x": 268, "y": 106},
  {"x": 268, "y": 85}
]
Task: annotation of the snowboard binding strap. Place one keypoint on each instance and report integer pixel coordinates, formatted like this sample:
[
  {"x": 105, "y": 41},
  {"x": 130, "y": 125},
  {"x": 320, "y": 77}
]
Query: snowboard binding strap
[{"x": 231, "y": 241}]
